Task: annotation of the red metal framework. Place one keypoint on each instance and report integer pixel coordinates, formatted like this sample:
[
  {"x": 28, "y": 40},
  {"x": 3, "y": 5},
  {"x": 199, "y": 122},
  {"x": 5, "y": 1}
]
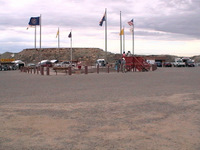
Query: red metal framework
[{"x": 136, "y": 63}]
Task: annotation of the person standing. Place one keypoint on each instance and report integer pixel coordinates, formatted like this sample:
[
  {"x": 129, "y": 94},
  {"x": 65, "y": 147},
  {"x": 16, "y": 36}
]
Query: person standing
[
  {"x": 123, "y": 65},
  {"x": 124, "y": 54}
]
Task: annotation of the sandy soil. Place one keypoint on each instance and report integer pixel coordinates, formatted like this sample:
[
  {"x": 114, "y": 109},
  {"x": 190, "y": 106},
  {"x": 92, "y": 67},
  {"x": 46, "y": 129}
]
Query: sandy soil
[{"x": 146, "y": 111}]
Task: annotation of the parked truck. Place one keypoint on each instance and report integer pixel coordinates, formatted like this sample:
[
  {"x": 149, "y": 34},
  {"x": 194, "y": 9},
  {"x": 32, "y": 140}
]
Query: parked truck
[
  {"x": 188, "y": 62},
  {"x": 179, "y": 62},
  {"x": 101, "y": 62}
]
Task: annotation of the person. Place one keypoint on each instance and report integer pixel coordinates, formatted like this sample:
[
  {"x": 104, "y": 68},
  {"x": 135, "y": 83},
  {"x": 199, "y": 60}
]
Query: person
[
  {"x": 117, "y": 64},
  {"x": 129, "y": 53},
  {"x": 124, "y": 55},
  {"x": 123, "y": 65}
]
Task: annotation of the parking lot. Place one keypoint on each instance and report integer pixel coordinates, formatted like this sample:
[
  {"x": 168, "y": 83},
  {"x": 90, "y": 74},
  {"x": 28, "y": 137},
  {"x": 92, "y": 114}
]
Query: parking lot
[{"x": 157, "y": 110}]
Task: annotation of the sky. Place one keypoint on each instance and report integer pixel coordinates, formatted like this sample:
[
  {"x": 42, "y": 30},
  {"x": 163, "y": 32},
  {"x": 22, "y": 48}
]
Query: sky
[{"x": 160, "y": 26}]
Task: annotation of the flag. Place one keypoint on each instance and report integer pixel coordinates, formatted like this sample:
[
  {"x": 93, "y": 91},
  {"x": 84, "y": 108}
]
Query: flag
[
  {"x": 103, "y": 19},
  {"x": 121, "y": 32},
  {"x": 57, "y": 33},
  {"x": 130, "y": 23},
  {"x": 70, "y": 35},
  {"x": 34, "y": 21}
]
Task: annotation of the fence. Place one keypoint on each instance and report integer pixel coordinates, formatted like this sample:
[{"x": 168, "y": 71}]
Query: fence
[{"x": 76, "y": 70}]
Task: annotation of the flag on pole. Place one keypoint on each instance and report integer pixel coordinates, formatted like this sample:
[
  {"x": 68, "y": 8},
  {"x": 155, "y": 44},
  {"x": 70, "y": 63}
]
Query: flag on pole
[
  {"x": 121, "y": 32},
  {"x": 70, "y": 35},
  {"x": 103, "y": 19},
  {"x": 130, "y": 23},
  {"x": 57, "y": 33},
  {"x": 34, "y": 21}
]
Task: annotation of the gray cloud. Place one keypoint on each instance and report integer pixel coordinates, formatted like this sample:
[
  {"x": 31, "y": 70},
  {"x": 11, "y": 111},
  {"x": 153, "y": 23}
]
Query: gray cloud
[
  {"x": 157, "y": 19},
  {"x": 182, "y": 18}
]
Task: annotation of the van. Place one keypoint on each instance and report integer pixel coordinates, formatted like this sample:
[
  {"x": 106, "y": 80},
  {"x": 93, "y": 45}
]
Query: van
[
  {"x": 179, "y": 62},
  {"x": 101, "y": 62}
]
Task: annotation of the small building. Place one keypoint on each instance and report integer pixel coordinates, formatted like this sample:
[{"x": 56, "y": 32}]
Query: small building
[{"x": 160, "y": 60}]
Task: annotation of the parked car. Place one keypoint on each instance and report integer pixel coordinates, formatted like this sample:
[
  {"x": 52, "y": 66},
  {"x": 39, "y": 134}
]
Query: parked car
[
  {"x": 62, "y": 64},
  {"x": 158, "y": 64},
  {"x": 4, "y": 67},
  {"x": 190, "y": 64},
  {"x": 45, "y": 64},
  {"x": 65, "y": 64},
  {"x": 31, "y": 65},
  {"x": 13, "y": 67},
  {"x": 168, "y": 64}
]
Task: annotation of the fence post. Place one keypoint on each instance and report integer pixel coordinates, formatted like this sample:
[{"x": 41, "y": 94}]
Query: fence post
[
  {"x": 108, "y": 68},
  {"x": 47, "y": 71},
  {"x": 70, "y": 70},
  {"x": 37, "y": 69},
  {"x": 86, "y": 69},
  {"x": 98, "y": 69},
  {"x": 42, "y": 70}
]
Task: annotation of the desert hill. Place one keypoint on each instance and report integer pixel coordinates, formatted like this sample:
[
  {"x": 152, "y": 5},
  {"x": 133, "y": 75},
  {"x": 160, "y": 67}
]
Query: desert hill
[
  {"x": 89, "y": 55},
  {"x": 79, "y": 54}
]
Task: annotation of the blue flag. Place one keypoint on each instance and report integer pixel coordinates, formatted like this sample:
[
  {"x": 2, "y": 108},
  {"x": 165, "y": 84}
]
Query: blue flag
[
  {"x": 70, "y": 35},
  {"x": 34, "y": 21},
  {"x": 103, "y": 19}
]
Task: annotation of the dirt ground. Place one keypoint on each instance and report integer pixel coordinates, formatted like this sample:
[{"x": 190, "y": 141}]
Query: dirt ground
[{"x": 157, "y": 110}]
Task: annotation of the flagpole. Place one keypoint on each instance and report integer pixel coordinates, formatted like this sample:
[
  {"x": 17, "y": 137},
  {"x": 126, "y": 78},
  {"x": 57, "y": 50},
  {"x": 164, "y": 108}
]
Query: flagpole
[
  {"x": 123, "y": 39},
  {"x": 133, "y": 37},
  {"x": 106, "y": 33},
  {"x": 120, "y": 35},
  {"x": 35, "y": 36},
  {"x": 58, "y": 37},
  {"x": 71, "y": 47},
  {"x": 40, "y": 35}
]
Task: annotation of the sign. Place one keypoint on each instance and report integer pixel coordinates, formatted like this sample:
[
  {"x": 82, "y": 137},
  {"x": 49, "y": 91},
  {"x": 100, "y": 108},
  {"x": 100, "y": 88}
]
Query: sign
[{"x": 7, "y": 60}]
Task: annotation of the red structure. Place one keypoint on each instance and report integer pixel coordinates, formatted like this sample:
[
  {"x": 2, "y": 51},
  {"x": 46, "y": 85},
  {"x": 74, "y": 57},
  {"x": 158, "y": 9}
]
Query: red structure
[{"x": 136, "y": 63}]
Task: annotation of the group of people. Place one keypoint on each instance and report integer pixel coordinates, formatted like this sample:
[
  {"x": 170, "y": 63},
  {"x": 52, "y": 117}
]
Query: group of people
[
  {"x": 122, "y": 62},
  {"x": 126, "y": 54}
]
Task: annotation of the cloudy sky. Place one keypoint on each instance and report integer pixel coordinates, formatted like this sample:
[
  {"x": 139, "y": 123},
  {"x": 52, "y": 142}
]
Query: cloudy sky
[{"x": 161, "y": 26}]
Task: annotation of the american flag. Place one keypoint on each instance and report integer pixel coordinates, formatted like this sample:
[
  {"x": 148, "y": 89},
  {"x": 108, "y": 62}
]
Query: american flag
[{"x": 130, "y": 23}]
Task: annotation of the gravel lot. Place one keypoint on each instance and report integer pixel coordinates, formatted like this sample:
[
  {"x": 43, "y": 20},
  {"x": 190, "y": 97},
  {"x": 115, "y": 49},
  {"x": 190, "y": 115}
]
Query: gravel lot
[{"x": 157, "y": 110}]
